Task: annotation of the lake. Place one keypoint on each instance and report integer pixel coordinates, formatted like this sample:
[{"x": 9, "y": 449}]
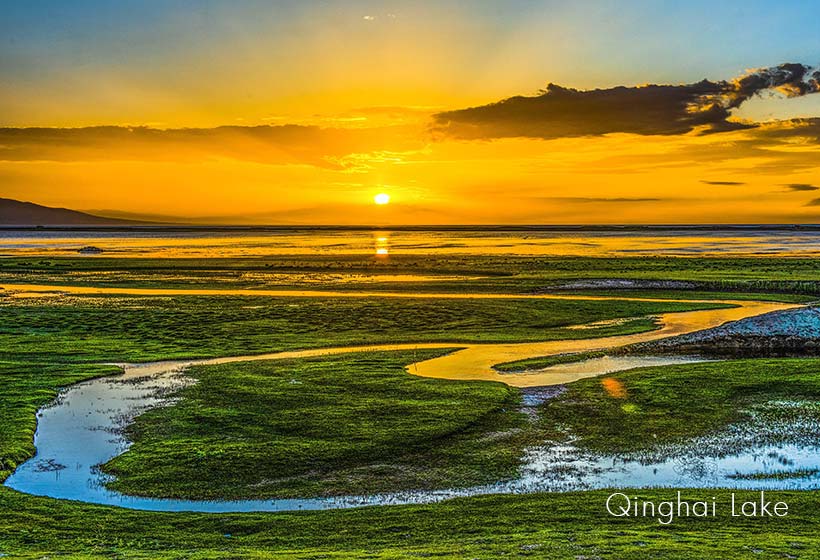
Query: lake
[{"x": 260, "y": 242}]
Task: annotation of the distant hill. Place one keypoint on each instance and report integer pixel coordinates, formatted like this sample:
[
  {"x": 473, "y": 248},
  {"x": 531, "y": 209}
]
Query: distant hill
[{"x": 17, "y": 213}]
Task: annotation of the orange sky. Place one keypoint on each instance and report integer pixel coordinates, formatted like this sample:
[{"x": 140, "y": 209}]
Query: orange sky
[
  {"x": 743, "y": 176},
  {"x": 303, "y": 114}
]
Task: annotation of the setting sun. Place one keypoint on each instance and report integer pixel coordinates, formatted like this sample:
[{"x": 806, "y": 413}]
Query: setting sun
[{"x": 581, "y": 208}]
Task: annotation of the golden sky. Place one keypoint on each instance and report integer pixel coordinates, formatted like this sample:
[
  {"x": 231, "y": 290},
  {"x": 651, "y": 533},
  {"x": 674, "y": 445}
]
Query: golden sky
[{"x": 247, "y": 113}]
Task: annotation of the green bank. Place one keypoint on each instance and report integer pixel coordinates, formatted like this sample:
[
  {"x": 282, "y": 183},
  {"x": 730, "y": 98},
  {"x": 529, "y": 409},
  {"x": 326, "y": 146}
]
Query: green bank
[{"x": 573, "y": 525}]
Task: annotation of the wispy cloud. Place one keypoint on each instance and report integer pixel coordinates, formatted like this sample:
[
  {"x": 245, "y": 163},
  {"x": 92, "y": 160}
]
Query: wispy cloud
[
  {"x": 801, "y": 187},
  {"x": 723, "y": 183},
  {"x": 601, "y": 200}
]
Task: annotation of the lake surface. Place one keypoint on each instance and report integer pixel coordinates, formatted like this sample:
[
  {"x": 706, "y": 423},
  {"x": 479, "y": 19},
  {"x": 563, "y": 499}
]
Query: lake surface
[{"x": 160, "y": 242}]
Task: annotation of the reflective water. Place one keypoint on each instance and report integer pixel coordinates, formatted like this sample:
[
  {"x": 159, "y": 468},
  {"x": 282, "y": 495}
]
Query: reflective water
[
  {"x": 476, "y": 362},
  {"x": 759, "y": 453},
  {"x": 611, "y": 364},
  {"x": 160, "y": 242}
]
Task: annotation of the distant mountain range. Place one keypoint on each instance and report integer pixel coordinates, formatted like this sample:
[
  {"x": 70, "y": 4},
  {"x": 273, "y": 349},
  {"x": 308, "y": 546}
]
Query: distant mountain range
[{"x": 17, "y": 213}]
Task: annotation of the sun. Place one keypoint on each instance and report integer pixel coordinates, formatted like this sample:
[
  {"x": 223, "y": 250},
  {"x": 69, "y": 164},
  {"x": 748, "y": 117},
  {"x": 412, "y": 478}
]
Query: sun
[{"x": 381, "y": 198}]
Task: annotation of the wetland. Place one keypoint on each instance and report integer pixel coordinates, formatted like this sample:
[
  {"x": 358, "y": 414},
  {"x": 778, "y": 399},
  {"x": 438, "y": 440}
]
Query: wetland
[{"x": 465, "y": 380}]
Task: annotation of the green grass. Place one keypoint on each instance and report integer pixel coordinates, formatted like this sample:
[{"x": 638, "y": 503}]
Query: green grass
[
  {"x": 568, "y": 525},
  {"x": 363, "y": 407},
  {"x": 103, "y": 329},
  {"x": 674, "y": 403},
  {"x": 780, "y": 474},
  {"x": 355, "y": 424},
  {"x": 499, "y": 273},
  {"x": 542, "y": 362},
  {"x": 48, "y": 344},
  {"x": 559, "y": 526},
  {"x": 44, "y": 343},
  {"x": 541, "y": 525}
]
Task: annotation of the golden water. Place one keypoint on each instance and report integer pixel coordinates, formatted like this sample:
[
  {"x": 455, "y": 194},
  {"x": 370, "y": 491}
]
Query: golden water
[{"x": 205, "y": 243}]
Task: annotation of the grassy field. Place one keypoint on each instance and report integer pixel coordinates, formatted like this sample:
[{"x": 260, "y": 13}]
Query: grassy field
[
  {"x": 47, "y": 343},
  {"x": 714, "y": 276},
  {"x": 359, "y": 423},
  {"x": 104, "y": 329},
  {"x": 425, "y": 433},
  {"x": 556, "y": 526},
  {"x": 546, "y": 361},
  {"x": 354, "y": 424},
  {"x": 540, "y": 526},
  {"x": 656, "y": 405}
]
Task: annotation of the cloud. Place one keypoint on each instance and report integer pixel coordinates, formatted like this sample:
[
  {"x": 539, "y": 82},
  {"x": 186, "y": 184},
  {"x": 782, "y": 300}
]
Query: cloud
[
  {"x": 807, "y": 129},
  {"x": 790, "y": 79},
  {"x": 801, "y": 187},
  {"x": 649, "y": 110},
  {"x": 723, "y": 183},
  {"x": 813, "y": 202},
  {"x": 600, "y": 200},
  {"x": 284, "y": 144}
]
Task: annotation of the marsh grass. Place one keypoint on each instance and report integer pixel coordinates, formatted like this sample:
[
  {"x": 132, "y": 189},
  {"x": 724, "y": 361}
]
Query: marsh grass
[
  {"x": 671, "y": 404},
  {"x": 148, "y": 328},
  {"x": 542, "y": 362},
  {"x": 777, "y": 474},
  {"x": 549, "y": 526},
  {"x": 714, "y": 277},
  {"x": 45, "y": 346},
  {"x": 356, "y": 424},
  {"x": 48, "y": 343}
]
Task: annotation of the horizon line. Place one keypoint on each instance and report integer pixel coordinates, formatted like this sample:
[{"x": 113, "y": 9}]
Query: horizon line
[{"x": 405, "y": 227}]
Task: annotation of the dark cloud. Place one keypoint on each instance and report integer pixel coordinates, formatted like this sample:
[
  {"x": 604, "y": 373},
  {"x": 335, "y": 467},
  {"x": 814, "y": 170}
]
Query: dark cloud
[
  {"x": 790, "y": 79},
  {"x": 562, "y": 112},
  {"x": 814, "y": 202},
  {"x": 801, "y": 187},
  {"x": 651, "y": 110},
  {"x": 723, "y": 183}
]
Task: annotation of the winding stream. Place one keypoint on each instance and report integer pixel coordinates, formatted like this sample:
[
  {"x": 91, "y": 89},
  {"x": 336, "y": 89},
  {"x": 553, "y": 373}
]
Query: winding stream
[{"x": 82, "y": 428}]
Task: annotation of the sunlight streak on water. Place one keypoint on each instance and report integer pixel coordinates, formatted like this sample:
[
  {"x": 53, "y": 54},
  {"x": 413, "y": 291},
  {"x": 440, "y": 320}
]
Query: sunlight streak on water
[{"x": 215, "y": 243}]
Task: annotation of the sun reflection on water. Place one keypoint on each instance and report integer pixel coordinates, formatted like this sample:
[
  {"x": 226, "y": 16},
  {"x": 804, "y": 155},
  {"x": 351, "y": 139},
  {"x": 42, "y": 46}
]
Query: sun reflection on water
[
  {"x": 382, "y": 244},
  {"x": 214, "y": 243}
]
